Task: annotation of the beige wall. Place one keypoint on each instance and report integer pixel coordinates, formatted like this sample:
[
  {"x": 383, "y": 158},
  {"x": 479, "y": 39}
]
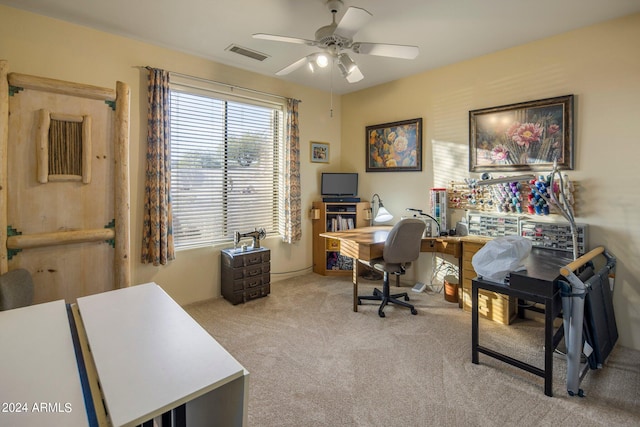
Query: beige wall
[
  {"x": 600, "y": 65},
  {"x": 50, "y": 48}
]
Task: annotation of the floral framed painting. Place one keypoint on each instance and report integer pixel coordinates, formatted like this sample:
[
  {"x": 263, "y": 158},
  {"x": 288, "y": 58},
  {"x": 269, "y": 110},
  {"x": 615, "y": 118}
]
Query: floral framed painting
[
  {"x": 394, "y": 147},
  {"x": 319, "y": 152},
  {"x": 525, "y": 136}
]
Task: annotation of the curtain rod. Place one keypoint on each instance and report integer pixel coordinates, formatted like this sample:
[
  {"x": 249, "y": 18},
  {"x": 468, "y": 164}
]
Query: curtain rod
[{"x": 232, "y": 87}]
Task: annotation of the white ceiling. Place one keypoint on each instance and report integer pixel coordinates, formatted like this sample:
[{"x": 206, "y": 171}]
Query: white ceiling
[{"x": 446, "y": 31}]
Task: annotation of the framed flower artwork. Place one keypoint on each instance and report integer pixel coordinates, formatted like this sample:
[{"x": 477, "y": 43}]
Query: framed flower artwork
[
  {"x": 394, "y": 147},
  {"x": 525, "y": 136}
]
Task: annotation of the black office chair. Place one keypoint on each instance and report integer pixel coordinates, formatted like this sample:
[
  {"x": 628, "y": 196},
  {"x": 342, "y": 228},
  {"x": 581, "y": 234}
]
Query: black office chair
[{"x": 400, "y": 249}]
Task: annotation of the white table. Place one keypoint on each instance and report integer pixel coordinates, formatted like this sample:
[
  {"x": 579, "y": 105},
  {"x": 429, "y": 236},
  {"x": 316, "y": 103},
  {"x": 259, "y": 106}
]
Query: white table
[
  {"x": 39, "y": 380},
  {"x": 152, "y": 357}
]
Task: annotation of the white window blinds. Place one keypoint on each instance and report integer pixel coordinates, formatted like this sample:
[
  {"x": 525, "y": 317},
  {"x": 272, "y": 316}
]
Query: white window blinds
[{"x": 224, "y": 166}]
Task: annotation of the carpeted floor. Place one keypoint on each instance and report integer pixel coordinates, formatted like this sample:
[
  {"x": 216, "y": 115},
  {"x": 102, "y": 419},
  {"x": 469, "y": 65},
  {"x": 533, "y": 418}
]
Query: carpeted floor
[{"x": 314, "y": 362}]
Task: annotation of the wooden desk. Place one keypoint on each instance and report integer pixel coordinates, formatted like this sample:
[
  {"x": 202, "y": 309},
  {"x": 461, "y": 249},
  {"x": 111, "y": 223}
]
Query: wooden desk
[
  {"x": 39, "y": 368},
  {"x": 538, "y": 283},
  {"x": 152, "y": 358},
  {"x": 367, "y": 243}
]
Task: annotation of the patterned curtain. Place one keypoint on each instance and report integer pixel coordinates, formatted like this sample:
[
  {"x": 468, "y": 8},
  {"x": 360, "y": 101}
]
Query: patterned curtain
[
  {"x": 291, "y": 208},
  {"x": 157, "y": 229}
]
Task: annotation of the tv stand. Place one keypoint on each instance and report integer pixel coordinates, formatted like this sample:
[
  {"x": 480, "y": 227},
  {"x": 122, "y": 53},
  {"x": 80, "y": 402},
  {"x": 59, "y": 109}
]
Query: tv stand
[
  {"x": 341, "y": 199},
  {"x": 335, "y": 216}
]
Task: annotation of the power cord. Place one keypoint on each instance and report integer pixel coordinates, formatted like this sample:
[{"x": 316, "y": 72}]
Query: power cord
[{"x": 441, "y": 269}]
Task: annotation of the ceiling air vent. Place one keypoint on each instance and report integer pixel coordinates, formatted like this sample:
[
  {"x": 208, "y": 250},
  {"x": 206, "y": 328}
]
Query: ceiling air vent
[{"x": 247, "y": 52}]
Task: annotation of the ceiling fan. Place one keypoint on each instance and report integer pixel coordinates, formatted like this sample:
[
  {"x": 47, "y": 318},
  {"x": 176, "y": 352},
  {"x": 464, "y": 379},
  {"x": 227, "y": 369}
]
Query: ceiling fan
[{"x": 336, "y": 38}]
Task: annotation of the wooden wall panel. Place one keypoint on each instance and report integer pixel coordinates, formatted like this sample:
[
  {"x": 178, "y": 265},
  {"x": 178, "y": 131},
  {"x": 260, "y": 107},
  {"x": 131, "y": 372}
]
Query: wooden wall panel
[
  {"x": 61, "y": 271},
  {"x": 61, "y": 224}
]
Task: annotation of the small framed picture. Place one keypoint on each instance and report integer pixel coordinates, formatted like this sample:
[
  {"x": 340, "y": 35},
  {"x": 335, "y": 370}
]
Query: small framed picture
[{"x": 319, "y": 152}]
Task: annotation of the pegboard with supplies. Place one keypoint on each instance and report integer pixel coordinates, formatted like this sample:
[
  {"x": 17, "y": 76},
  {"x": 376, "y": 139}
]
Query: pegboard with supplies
[
  {"x": 531, "y": 196},
  {"x": 469, "y": 196}
]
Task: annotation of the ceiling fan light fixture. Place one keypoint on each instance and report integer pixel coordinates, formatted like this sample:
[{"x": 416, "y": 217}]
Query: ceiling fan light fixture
[
  {"x": 345, "y": 64},
  {"x": 337, "y": 37},
  {"x": 321, "y": 60}
]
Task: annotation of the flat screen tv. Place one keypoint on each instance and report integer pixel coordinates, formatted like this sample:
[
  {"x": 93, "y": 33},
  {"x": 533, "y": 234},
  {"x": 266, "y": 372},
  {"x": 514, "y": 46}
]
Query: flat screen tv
[{"x": 339, "y": 184}]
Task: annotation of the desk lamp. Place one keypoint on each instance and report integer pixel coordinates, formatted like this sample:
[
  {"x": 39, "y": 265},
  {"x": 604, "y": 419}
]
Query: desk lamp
[
  {"x": 420, "y": 212},
  {"x": 382, "y": 214}
]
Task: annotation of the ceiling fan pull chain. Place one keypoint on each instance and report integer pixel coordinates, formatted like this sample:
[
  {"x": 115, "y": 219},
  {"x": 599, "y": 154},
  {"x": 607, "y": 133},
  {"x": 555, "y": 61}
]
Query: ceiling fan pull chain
[{"x": 331, "y": 87}]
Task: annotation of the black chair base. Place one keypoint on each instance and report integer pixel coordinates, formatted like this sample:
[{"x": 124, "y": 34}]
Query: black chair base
[{"x": 386, "y": 297}]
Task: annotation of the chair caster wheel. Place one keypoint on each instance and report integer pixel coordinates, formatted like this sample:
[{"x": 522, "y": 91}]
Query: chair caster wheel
[
  {"x": 406, "y": 297},
  {"x": 381, "y": 314},
  {"x": 414, "y": 311}
]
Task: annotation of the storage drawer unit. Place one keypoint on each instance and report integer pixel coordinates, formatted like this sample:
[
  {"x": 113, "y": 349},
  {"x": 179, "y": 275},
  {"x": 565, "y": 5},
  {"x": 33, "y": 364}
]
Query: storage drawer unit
[
  {"x": 554, "y": 235},
  {"x": 491, "y": 305},
  {"x": 245, "y": 275},
  {"x": 492, "y": 225}
]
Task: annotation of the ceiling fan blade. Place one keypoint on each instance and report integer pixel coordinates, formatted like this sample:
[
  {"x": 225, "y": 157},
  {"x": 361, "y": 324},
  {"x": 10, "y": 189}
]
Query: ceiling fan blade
[
  {"x": 390, "y": 50},
  {"x": 276, "y": 38},
  {"x": 353, "y": 19},
  {"x": 290, "y": 68},
  {"x": 355, "y": 75}
]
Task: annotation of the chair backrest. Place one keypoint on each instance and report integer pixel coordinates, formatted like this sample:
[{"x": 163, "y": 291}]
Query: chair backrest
[{"x": 403, "y": 242}]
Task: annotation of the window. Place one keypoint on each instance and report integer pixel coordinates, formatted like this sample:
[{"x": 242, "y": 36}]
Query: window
[{"x": 224, "y": 166}]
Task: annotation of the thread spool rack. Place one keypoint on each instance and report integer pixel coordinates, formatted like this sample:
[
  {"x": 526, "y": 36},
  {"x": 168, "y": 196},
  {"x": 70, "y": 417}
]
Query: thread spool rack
[{"x": 531, "y": 196}]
